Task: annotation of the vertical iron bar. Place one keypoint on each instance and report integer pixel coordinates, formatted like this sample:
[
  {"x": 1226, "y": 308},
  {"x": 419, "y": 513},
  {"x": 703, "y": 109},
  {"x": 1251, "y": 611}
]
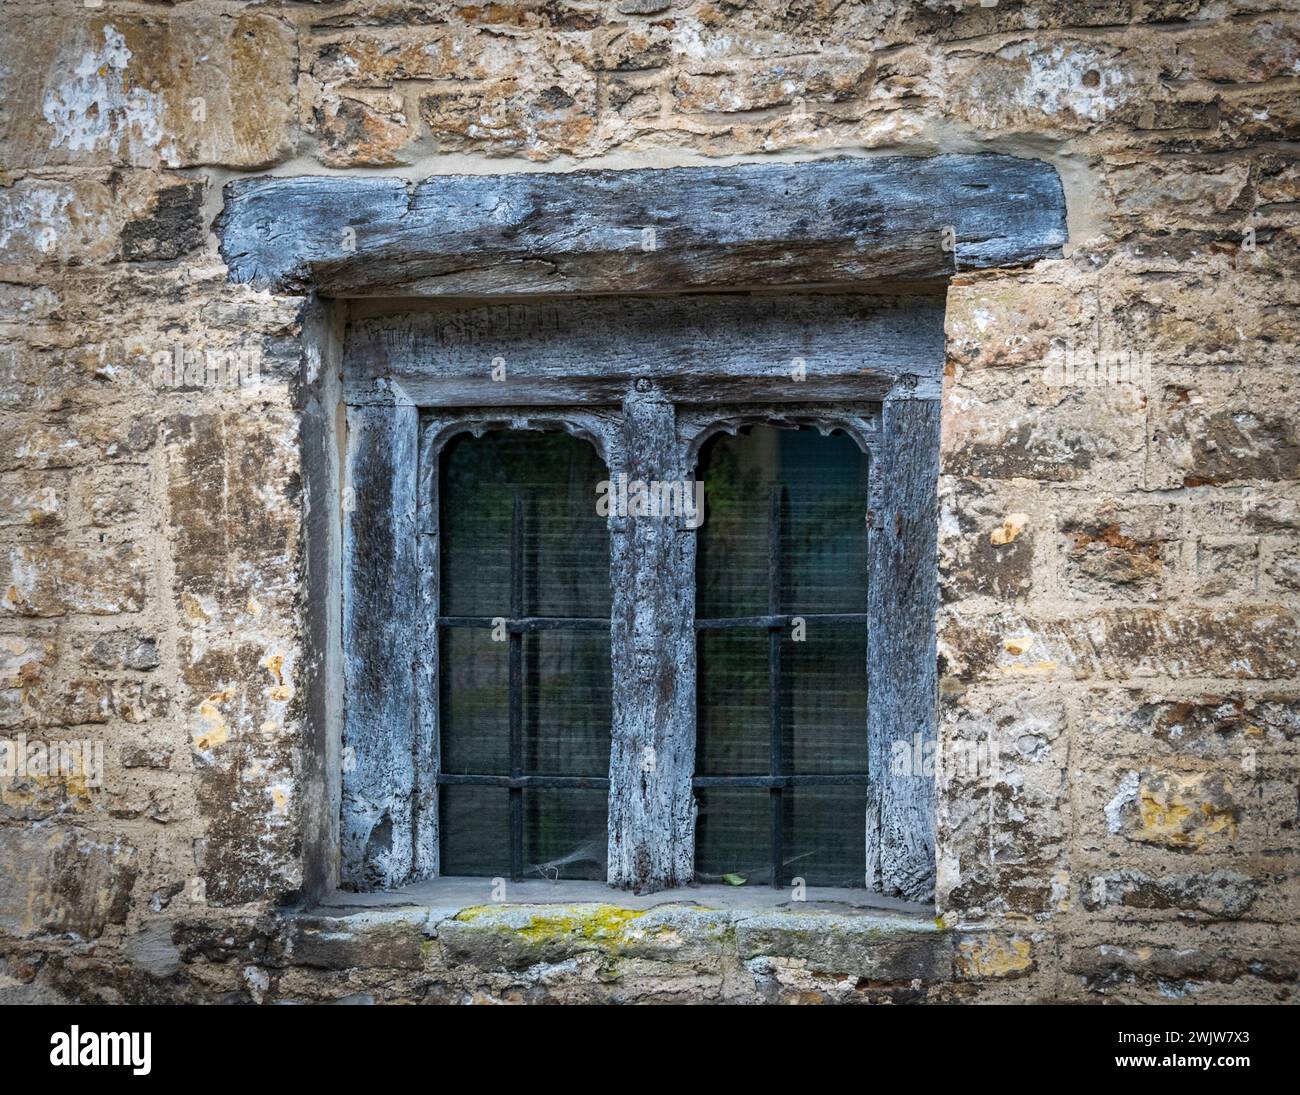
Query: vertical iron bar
[
  {"x": 516, "y": 641},
  {"x": 531, "y": 685},
  {"x": 774, "y": 678}
]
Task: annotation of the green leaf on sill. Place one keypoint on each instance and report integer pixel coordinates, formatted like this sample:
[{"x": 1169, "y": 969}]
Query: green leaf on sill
[{"x": 733, "y": 880}]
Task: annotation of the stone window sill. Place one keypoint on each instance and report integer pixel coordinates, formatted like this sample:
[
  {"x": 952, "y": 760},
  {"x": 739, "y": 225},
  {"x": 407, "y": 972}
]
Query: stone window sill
[{"x": 452, "y": 921}]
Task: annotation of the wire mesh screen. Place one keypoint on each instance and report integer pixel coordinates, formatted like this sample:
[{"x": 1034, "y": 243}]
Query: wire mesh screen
[
  {"x": 524, "y": 666},
  {"x": 781, "y": 708}
]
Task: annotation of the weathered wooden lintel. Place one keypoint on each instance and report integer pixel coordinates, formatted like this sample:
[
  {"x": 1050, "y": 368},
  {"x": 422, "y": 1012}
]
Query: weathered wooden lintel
[
  {"x": 828, "y": 222},
  {"x": 714, "y": 349}
]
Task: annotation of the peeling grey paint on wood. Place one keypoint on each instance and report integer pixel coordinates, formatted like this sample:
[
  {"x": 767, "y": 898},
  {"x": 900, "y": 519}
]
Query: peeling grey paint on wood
[{"x": 848, "y": 221}]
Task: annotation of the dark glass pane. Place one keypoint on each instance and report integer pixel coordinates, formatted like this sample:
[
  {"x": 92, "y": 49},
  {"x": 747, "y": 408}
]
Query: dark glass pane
[
  {"x": 567, "y": 682},
  {"x": 825, "y": 835},
  {"x": 823, "y": 486},
  {"x": 533, "y": 494},
  {"x": 565, "y": 833},
  {"x": 809, "y": 493},
  {"x": 474, "y": 703},
  {"x": 824, "y": 700},
  {"x": 733, "y": 726},
  {"x": 733, "y": 835},
  {"x": 474, "y": 831},
  {"x": 565, "y": 542}
]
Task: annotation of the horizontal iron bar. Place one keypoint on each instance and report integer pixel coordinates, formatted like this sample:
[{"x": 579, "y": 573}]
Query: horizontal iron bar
[
  {"x": 530, "y": 623},
  {"x": 774, "y": 622},
  {"x": 595, "y": 783},
  {"x": 847, "y": 779}
]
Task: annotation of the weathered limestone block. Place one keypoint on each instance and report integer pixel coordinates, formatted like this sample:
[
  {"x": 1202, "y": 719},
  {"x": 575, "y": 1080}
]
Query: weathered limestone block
[
  {"x": 1153, "y": 197},
  {"x": 863, "y": 947},
  {"x": 1219, "y": 893},
  {"x": 1217, "y": 309},
  {"x": 1004, "y": 814},
  {"x": 636, "y": 48},
  {"x": 234, "y": 521},
  {"x": 987, "y": 540},
  {"x": 386, "y": 941},
  {"x": 55, "y": 880},
  {"x": 66, "y": 442},
  {"x": 109, "y": 496},
  {"x": 1238, "y": 642},
  {"x": 128, "y": 648},
  {"x": 380, "y": 58},
  {"x": 1082, "y": 433},
  {"x": 980, "y": 957},
  {"x": 503, "y": 117},
  {"x": 1051, "y": 83},
  {"x": 1116, "y": 551},
  {"x": 31, "y": 499},
  {"x": 994, "y": 320},
  {"x": 77, "y": 701},
  {"x": 1185, "y": 811},
  {"x": 54, "y": 579},
  {"x": 362, "y": 129},
  {"x": 1252, "y": 116},
  {"x": 1247, "y": 966},
  {"x": 1194, "y": 725},
  {"x": 175, "y": 89},
  {"x": 1240, "y": 53},
  {"x": 1281, "y": 563},
  {"x": 1226, "y": 566},
  {"x": 145, "y": 753},
  {"x": 958, "y": 22},
  {"x": 824, "y": 76},
  {"x": 131, "y": 217},
  {"x": 1199, "y": 441},
  {"x": 26, "y": 661}
]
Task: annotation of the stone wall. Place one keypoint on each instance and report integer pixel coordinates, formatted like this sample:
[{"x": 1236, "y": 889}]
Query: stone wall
[{"x": 1120, "y": 545}]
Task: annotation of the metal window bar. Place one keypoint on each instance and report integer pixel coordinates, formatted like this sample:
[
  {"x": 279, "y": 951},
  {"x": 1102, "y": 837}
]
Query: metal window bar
[
  {"x": 775, "y": 623},
  {"x": 517, "y": 625}
]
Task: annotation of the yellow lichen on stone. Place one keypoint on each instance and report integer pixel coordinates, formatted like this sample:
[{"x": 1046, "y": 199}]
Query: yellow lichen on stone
[
  {"x": 994, "y": 956},
  {"x": 603, "y": 923},
  {"x": 273, "y": 664},
  {"x": 1010, "y": 529},
  {"x": 216, "y": 731},
  {"x": 1185, "y": 811}
]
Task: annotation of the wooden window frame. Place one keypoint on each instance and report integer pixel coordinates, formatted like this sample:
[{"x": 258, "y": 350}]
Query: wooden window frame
[
  {"x": 642, "y": 240},
  {"x": 650, "y": 433}
]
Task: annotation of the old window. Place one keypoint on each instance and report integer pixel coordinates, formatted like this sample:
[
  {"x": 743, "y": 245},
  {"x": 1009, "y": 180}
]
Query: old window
[
  {"x": 640, "y": 311},
  {"x": 624, "y": 691}
]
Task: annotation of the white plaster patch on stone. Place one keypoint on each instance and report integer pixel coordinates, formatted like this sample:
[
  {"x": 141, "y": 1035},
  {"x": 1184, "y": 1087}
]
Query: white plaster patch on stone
[
  {"x": 23, "y": 575},
  {"x": 98, "y": 106},
  {"x": 37, "y": 213},
  {"x": 1124, "y": 797},
  {"x": 258, "y": 981},
  {"x": 1055, "y": 82},
  {"x": 949, "y": 525}
]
